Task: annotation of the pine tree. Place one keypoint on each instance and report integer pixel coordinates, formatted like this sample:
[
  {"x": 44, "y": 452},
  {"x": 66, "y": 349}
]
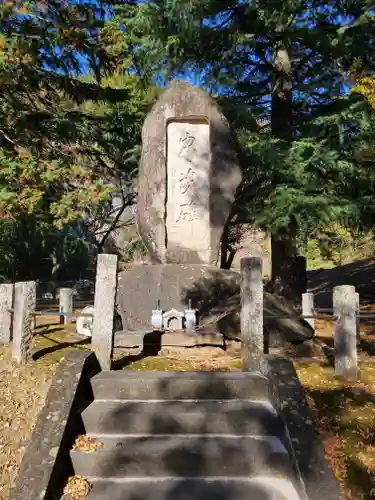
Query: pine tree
[{"x": 285, "y": 62}]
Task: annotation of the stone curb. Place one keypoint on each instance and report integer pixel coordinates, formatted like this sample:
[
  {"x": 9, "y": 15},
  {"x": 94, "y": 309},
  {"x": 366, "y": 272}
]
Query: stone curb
[
  {"x": 46, "y": 463},
  {"x": 314, "y": 469}
]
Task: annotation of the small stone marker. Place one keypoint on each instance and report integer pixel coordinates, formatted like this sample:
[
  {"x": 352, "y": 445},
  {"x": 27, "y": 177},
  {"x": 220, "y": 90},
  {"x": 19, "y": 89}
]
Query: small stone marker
[
  {"x": 24, "y": 306},
  {"x": 66, "y": 305},
  {"x": 308, "y": 308},
  {"x": 104, "y": 306},
  {"x": 6, "y": 304},
  {"x": 85, "y": 321},
  {"x": 345, "y": 336},
  {"x": 252, "y": 314}
]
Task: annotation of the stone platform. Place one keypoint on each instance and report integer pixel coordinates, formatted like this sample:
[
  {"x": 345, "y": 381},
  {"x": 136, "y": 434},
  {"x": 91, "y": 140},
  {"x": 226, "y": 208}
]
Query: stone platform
[{"x": 212, "y": 291}]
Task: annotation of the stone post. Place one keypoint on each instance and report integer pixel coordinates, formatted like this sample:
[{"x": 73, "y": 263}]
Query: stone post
[
  {"x": 308, "y": 308},
  {"x": 357, "y": 322},
  {"x": 252, "y": 314},
  {"x": 66, "y": 305},
  {"x": 24, "y": 306},
  {"x": 104, "y": 306},
  {"x": 6, "y": 304},
  {"x": 345, "y": 336}
]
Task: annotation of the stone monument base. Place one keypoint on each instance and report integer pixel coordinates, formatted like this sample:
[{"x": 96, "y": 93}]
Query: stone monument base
[{"x": 211, "y": 291}]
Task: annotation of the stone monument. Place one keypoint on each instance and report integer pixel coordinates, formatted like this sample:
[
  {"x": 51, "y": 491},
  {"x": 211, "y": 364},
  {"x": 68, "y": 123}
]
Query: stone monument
[
  {"x": 189, "y": 174},
  {"x": 188, "y": 177}
]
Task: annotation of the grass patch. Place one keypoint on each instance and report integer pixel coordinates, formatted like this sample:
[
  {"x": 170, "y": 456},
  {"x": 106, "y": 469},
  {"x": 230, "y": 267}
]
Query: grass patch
[
  {"x": 53, "y": 341},
  {"x": 345, "y": 416},
  {"x": 171, "y": 364}
]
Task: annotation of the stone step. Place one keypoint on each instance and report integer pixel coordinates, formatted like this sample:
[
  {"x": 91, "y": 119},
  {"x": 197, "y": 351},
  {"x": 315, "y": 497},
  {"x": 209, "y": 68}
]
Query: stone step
[
  {"x": 183, "y": 455},
  {"x": 225, "y": 488},
  {"x": 137, "y": 339},
  {"x": 183, "y": 417},
  {"x": 126, "y": 384}
]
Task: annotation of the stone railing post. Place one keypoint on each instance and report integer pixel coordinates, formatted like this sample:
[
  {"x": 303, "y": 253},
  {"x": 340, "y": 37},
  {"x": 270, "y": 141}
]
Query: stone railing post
[
  {"x": 66, "y": 305},
  {"x": 104, "y": 306},
  {"x": 345, "y": 332},
  {"x": 357, "y": 323},
  {"x": 308, "y": 308},
  {"x": 23, "y": 320},
  {"x": 6, "y": 304},
  {"x": 252, "y": 314}
]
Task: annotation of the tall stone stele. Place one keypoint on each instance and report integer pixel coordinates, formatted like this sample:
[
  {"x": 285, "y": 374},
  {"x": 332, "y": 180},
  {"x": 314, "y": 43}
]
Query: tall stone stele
[{"x": 188, "y": 177}]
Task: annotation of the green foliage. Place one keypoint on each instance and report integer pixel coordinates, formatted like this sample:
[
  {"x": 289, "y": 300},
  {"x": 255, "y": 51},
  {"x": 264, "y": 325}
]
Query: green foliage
[
  {"x": 336, "y": 244},
  {"x": 52, "y": 190},
  {"x": 69, "y": 144},
  {"x": 300, "y": 169}
]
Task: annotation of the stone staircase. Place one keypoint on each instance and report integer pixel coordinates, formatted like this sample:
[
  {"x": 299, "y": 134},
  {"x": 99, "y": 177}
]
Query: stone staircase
[{"x": 186, "y": 435}]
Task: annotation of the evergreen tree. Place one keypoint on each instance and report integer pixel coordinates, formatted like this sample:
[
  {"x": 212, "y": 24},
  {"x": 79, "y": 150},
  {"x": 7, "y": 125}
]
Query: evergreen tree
[
  {"x": 285, "y": 63},
  {"x": 67, "y": 142}
]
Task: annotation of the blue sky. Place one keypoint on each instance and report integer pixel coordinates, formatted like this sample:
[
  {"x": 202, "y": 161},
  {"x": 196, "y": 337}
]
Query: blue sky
[{"x": 192, "y": 77}]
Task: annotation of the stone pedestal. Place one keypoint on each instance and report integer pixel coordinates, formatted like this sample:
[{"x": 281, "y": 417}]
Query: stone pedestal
[{"x": 211, "y": 290}]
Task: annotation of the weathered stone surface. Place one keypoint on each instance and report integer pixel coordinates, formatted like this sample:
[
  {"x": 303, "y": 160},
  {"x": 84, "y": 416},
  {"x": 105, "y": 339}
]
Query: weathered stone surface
[
  {"x": 251, "y": 314},
  {"x": 130, "y": 384},
  {"x": 104, "y": 309},
  {"x": 255, "y": 488},
  {"x": 188, "y": 189},
  {"x": 46, "y": 463},
  {"x": 193, "y": 456},
  {"x": 358, "y": 321},
  {"x": 189, "y": 174},
  {"x": 6, "y": 304},
  {"x": 345, "y": 305},
  {"x": 154, "y": 342},
  {"x": 211, "y": 290},
  {"x": 236, "y": 417},
  {"x": 24, "y": 306}
]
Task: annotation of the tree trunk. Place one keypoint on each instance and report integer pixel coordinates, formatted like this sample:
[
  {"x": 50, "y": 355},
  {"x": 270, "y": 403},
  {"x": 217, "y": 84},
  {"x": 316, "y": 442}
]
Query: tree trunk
[
  {"x": 289, "y": 279},
  {"x": 283, "y": 247},
  {"x": 227, "y": 253}
]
